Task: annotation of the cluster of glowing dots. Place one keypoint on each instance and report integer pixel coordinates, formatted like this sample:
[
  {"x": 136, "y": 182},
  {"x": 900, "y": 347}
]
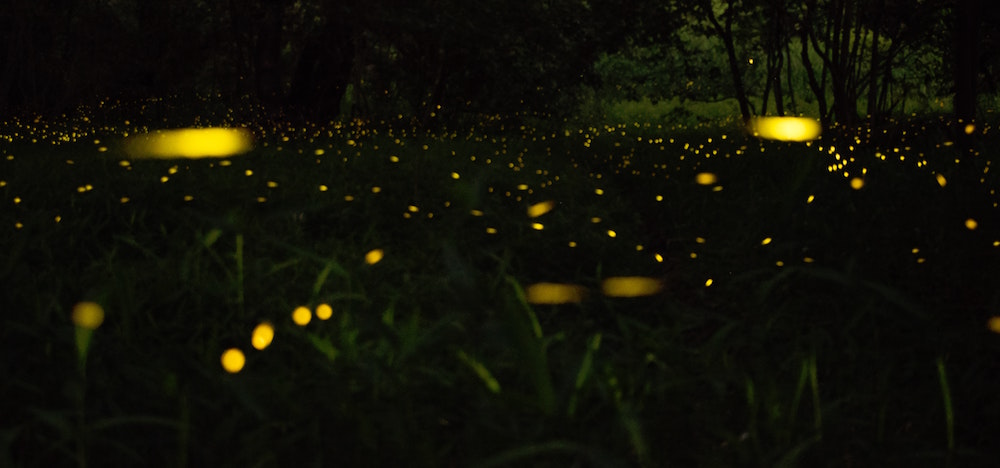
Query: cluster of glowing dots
[
  {"x": 233, "y": 359},
  {"x": 618, "y": 286}
]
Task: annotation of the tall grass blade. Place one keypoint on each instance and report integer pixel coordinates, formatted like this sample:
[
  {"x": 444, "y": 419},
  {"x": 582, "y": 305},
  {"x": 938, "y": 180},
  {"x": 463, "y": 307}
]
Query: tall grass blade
[
  {"x": 584, "y": 372},
  {"x": 949, "y": 415},
  {"x": 529, "y": 339},
  {"x": 481, "y": 371}
]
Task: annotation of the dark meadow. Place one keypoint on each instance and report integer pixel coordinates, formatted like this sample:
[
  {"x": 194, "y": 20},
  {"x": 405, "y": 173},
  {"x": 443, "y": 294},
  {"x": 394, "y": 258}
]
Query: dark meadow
[{"x": 451, "y": 233}]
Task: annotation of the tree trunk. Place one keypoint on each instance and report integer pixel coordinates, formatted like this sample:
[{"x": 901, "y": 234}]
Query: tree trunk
[
  {"x": 817, "y": 88},
  {"x": 726, "y": 34}
]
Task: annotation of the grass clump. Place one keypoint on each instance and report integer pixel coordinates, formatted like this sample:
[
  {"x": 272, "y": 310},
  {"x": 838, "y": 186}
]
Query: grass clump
[{"x": 796, "y": 320}]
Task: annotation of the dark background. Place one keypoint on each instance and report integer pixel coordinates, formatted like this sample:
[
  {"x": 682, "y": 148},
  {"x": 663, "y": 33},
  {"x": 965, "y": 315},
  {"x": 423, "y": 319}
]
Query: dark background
[{"x": 458, "y": 60}]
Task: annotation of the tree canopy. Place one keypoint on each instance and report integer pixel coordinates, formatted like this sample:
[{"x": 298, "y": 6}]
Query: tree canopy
[{"x": 450, "y": 59}]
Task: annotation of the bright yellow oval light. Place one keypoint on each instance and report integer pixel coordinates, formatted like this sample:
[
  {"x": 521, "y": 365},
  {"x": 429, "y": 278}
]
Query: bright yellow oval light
[
  {"x": 324, "y": 311},
  {"x": 971, "y": 224},
  {"x": 262, "y": 336},
  {"x": 88, "y": 315},
  {"x": 301, "y": 316},
  {"x": 374, "y": 256},
  {"x": 705, "y": 178},
  {"x": 630, "y": 286},
  {"x": 994, "y": 324},
  {"x": 190, "y": 143},
  {"x": 233, "y": 360},
  {"x": 553, "y": 293},
  {"x": 786, "y": 128},
  {"x": 539, "y": 209}
]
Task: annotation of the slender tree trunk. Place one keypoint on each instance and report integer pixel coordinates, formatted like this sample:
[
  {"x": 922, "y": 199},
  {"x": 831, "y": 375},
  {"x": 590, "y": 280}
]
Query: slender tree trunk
[
  {"x": 788, "y": 73},
  {"x": 726, "y": 34},
  {"x": 779, "y": 98},
  {"x": 873, "y": 72},
  {"x": 818, "y": 89}
]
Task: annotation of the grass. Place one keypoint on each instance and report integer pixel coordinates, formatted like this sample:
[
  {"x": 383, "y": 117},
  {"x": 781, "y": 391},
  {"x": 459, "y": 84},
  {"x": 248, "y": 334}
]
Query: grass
[{"x": 801, "y": 322}]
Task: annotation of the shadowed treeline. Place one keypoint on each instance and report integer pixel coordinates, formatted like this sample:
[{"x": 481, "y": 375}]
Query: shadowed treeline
[{"x": 448, "y": 60}]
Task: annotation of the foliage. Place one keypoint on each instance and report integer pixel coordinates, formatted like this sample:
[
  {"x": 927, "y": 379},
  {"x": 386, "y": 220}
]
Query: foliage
[{"x": 801, "y": 322}]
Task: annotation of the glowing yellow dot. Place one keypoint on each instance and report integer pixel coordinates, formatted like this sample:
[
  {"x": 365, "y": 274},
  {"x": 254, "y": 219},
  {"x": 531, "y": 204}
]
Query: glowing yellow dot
[
  {"x": 630, "y": 286},
  {"x": 301, "y": 316},
  {"x": 539, "y": 209},
  {"x": 394, "y": 159},
  {"x": 779, "y": 263},
  {"x": 659, "y": 198},
  {"x": 700, "y": 240},
  {"x": 88, "y": 315},
  {"x": 323, "y": 188},
  {"x": 857, "y": 183},
  {"x": 612, "y": 233},
  {"x": 971, "y": 224},
  {"x": 786, "y": 128},
  {"x": 319, "y": 152},
  {"x": 348, "y": 197},
  {"x": 454, "y": 175},
  {"x": 272, "y": 184},
  {"x": 658, "y": 257},
  {"x": 124, "y": 163},
  {"x": 522, "y": 186},
  {"x": 994, "y": 324},
  {"x": 190, "y": 143},
  {"x": 248, "y": 172},
  {"x": 705, "y": 178},
  {"x": 537, "y": 226},
  {"x": 476, "y": 212},
  {"x": 413, "y": 208},
  {"x": 233, "y": 360},
  {"x": 374, "y": 256},
  {"x": 941, "y": 180},
  {"x": 595, "y": 220},
  {"x": 599, "y": 191},
  {"x": 810, "y": 199},
  {"x": 324, "y": 311},
  {"x": 969, "y": 128},
  {"x": 553, "y": 293},
  {"x": 767, "y": 240},
  {"x": 262, "y": 335},
  {"x": 708, "y": 282},
  {"x": 124, "y": 200},
  {"x": 491, "y": 230},
  {"x": 572, "y": 243}
]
